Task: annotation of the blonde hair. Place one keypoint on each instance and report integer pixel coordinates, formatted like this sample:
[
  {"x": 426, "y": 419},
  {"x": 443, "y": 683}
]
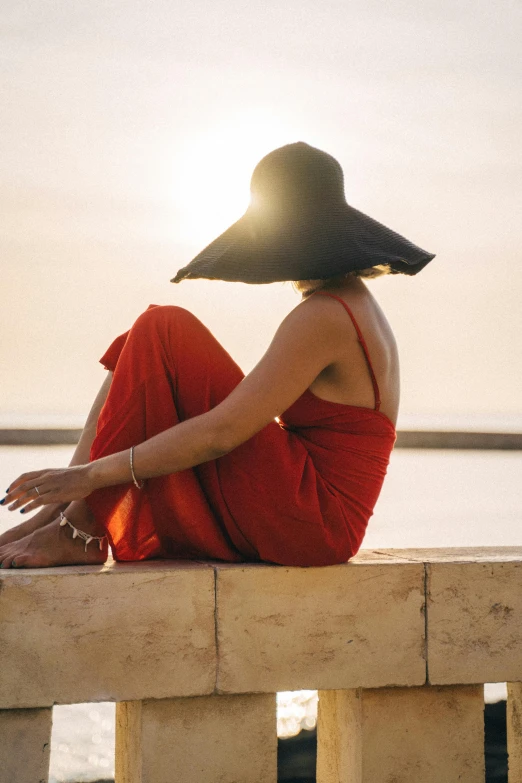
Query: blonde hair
[{"x": 309, "y": 286}]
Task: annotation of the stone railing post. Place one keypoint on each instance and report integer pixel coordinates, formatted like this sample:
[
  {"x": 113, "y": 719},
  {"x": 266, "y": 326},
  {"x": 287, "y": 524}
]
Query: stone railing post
[
  {"x": 25, "y": 745},
  {"x": 429, "y": 734},
  {"x": 230, "y": 739},
  {"x": 514, "y": 731}
]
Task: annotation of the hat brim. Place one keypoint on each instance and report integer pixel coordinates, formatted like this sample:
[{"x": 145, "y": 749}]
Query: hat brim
[{"x": 304, "y": 247}]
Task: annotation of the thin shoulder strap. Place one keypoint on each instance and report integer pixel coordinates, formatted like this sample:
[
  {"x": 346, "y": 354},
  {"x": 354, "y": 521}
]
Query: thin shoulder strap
[{"x": 363, "y": 346}]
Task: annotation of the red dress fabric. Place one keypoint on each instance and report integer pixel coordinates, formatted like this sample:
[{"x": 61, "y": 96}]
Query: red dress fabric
[{"x": 298, "y": 493}]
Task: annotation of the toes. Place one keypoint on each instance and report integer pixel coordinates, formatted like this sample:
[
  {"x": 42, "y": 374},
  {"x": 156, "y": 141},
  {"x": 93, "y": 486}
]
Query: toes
[
  {"x": 13, "y": 552},
  {"x": 4, "y": 552},
  {"x": 6, "y": 561},
  {"x": 7, "y": 553},
  {"x": 20, "y": 561}
]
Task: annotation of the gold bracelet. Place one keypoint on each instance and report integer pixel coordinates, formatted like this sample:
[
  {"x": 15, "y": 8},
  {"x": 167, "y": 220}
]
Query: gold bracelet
[{"x": 140, "y": 484}]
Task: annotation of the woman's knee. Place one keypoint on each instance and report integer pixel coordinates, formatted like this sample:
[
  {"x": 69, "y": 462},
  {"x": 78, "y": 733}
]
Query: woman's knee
[{"x": 164, "y": 316}]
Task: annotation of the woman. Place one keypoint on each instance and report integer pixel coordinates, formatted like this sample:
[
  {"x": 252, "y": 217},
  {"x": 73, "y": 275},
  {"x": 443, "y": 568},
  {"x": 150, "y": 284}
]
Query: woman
[{"x": 184, "y": 457}]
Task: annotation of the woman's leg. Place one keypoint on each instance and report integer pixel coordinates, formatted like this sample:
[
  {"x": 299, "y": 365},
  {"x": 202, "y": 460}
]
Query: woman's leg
[
  {"x": 81, "y": 454},
  {"x": 54, "y": 545},
  {"x": 43, "y": 516},
  {"x": 169, "y": 367}
]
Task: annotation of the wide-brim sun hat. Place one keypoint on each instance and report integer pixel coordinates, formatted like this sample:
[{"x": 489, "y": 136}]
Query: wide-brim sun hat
[{"x": 299, "y": 226}]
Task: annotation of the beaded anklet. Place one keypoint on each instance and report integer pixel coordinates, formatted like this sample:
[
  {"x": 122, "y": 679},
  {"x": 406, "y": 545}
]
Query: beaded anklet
[{"x": 80, "y": 533}]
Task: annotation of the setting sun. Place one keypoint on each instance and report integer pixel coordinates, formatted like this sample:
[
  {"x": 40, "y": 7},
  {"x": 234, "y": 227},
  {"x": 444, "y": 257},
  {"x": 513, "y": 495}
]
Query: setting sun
[{"x": 211, "y": 171}]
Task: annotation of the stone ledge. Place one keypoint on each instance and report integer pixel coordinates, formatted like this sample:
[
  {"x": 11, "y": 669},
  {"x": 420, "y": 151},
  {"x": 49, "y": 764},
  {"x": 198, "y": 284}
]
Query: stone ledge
[
  {"x": 113, "y": 633},
  {"x": 347, "y": 626},
  {"x": 134, "y": 631},
  {"x": 455, "y": 555},
  {"x": 474, "y": 621}
]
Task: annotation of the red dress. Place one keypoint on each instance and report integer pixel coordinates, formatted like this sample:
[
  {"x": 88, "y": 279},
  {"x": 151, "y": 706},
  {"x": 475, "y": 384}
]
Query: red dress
[{"x": 300, "y": 492}]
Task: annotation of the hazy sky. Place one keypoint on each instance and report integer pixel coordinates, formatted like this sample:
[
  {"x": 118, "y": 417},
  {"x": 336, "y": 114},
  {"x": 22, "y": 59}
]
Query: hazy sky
[{"x": 128, "y": 134}]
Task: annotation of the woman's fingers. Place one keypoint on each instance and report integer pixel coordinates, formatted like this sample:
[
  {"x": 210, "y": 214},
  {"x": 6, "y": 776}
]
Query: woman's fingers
[
  {"x": 43, "y": 487},
  {"x": 31, "y": 506},
  {"x": 21, "y": 483},
  {"x": 25, "y": 490},
  {"x": 28, "y": 494},
  {"x": 24, "y": 478}
]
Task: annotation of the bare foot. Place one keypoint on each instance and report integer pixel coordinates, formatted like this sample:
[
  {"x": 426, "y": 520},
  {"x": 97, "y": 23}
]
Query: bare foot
[
  {"x": 53, "y": 544},
  {"x": 42, "y": 517}
]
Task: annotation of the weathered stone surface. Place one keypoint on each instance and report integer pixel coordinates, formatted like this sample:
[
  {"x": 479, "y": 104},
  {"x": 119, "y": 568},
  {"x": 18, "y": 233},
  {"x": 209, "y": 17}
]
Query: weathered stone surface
[
  {"x": 359, "y": 624},
  {"x": 474, "y": 622},
  {"x": 464, "y": 555},
  {"x": 128, "y": 746},
  {"x": 514, "y": 731},
  {"x": 411, "y": 735},
  {"x": 120, "y": 632},
  {"x": 25, "y": 745},
  {"x": 384, "y": 556},
  {"x": 340, "y": 737},
  {"x": 210, "y": 739}
]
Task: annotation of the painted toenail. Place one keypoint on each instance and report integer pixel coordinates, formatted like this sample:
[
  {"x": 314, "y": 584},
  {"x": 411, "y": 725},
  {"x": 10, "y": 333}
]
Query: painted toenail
[
  {"x": 2, "y": 502},
  {"x": 22, "y": 511}
]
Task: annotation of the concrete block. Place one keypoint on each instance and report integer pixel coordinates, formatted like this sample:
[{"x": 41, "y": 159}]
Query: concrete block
[
  {"x": 359, "y": 624},
  {"x": 474, "y": 622},
  {"x": 472, "y": 554},
  {"x": 340, "y": 737},
  {"x": 25, "y": 745},
  {"x": 212, "y": 739},
  {"x": 411, "y": 735},
  {"x": 119, "y": 632},
  {"x": 514, "y": 731}
]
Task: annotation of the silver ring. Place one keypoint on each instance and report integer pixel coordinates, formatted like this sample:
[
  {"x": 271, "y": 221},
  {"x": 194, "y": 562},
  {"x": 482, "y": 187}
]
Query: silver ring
[{"x": 36, "y": 488}]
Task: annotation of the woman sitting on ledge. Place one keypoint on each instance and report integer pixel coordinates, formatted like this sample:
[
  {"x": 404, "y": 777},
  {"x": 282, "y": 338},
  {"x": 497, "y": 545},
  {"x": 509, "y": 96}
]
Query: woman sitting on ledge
[{"x": 184, "y": 457}]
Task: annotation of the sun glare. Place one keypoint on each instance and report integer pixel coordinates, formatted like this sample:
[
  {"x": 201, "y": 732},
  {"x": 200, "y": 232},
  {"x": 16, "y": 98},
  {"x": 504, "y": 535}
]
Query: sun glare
[{"x": 212, "y": 172}]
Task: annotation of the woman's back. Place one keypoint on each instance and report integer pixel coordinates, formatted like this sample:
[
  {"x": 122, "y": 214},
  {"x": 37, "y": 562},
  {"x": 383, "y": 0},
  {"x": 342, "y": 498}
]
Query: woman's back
[{"x": 366, "y": 374}]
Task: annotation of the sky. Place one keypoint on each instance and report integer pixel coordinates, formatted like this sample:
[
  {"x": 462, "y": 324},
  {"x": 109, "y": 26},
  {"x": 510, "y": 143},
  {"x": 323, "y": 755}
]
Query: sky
[{"x": 128, "y": 134}]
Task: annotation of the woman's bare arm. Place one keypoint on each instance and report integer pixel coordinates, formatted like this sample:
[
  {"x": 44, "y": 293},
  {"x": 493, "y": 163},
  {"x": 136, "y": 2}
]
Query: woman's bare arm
[
  {"x": 83, "y": 449},
  {"x": 311, "y": 338}
]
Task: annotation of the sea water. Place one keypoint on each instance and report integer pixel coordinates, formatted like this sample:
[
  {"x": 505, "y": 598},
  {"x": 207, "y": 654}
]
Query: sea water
[{"x": 434, "y": 498}]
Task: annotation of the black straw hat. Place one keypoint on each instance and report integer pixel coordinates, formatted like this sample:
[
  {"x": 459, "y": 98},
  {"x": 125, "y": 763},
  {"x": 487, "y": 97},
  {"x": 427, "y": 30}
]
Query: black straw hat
[{"x": 299, "y": 226}]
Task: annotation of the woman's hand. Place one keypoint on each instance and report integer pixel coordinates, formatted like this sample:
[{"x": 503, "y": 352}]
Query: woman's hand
[{"x": 56, "y": 486}]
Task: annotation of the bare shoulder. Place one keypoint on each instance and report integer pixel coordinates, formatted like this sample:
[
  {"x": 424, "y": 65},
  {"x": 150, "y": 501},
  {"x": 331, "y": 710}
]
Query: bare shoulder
[
  {"x": 363, "y": 307},
  {"x": 317, "y": 314},
  {"x": 307, "y": 341}
]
